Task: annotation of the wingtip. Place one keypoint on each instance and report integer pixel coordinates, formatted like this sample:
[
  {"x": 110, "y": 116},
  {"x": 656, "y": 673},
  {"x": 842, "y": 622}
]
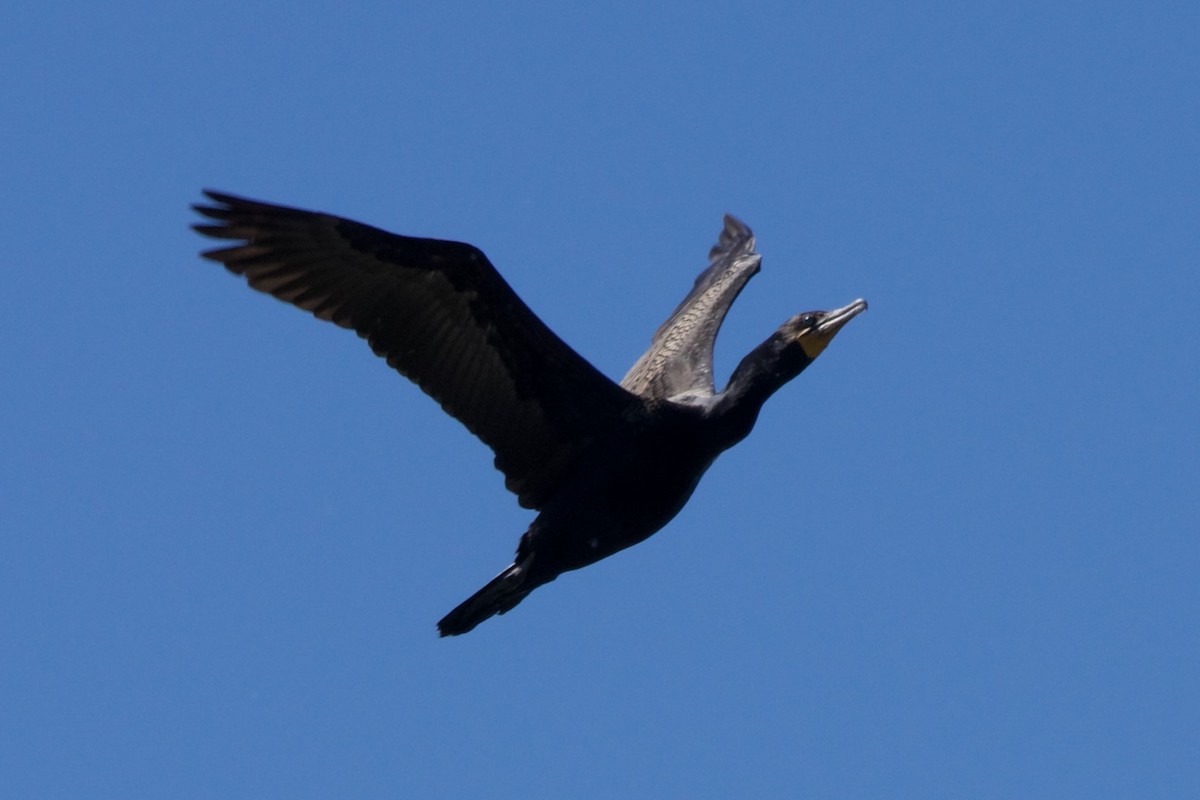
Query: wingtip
[
  {"x": 735, "y": 224},
  {"x": 224, "y": 203},
  {"x": 736, "y": 238},
  {"x": 220, "y": 197},
  {"x": 229, "y": 202}
]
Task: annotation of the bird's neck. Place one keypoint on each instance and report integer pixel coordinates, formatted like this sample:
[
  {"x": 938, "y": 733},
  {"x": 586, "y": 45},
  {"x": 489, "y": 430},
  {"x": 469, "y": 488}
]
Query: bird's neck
[{"x": 759, "y": 375}]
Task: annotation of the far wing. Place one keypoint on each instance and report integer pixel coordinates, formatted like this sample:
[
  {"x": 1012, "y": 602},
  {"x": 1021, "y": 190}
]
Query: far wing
[
  {"x": 442, "y": 316},
  {"x": 680, "y": 357}
]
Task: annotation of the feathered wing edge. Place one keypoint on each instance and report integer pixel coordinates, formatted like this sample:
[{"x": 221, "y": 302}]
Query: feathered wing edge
[
  {"x": 441, "y": 315},
  {"x": 680, "y": 357}
]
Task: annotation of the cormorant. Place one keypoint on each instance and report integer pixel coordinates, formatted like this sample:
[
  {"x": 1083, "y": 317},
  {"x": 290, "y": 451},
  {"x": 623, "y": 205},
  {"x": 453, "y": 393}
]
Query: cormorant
[{"x": 605, "y": 465}]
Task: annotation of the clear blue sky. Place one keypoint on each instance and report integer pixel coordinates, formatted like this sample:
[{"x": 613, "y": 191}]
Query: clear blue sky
[{"x": 957, "y": 558}]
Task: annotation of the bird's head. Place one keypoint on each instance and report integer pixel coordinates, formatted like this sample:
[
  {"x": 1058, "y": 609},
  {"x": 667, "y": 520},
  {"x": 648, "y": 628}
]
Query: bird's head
[
  {"x": 814, "y": 330},
  {"x": 783, "y": 356}
]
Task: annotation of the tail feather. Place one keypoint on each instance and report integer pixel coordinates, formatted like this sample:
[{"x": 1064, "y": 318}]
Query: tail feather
[{"x": 500, "y": 594}]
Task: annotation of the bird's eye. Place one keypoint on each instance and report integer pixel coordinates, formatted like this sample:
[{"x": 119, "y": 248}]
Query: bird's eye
[{"x": 808, "y": 321}]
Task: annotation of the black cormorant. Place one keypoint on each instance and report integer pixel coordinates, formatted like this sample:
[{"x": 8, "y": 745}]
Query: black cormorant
[{"x": 605, "y": 464}]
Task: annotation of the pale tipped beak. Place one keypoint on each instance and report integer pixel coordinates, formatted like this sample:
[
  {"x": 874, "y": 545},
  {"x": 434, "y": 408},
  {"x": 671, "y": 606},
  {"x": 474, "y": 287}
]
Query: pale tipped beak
[{"x": 835, "y": 319}]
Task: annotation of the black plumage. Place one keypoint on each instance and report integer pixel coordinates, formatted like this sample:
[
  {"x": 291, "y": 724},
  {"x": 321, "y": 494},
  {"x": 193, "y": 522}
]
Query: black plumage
[{"x": 606, "y": 465}]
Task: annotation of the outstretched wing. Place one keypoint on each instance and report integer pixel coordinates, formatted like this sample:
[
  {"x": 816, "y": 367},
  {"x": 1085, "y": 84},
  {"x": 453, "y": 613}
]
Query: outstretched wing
[
  {"x": 442, "y": 316},
  {"x": 680, "y": 358}
]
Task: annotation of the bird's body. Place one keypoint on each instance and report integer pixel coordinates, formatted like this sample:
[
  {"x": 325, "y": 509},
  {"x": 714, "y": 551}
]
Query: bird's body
[
  {"x": 605, "y": 465},
  {"x": 625, "y": 490}
]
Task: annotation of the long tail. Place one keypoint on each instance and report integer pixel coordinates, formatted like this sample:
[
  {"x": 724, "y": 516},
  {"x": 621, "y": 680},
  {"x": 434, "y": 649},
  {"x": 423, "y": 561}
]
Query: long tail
[{"x": 500, "y": 594}]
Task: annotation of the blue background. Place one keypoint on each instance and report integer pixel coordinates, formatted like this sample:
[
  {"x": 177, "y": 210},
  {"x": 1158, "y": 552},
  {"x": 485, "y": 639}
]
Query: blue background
[{"x": 957, "y": 558}]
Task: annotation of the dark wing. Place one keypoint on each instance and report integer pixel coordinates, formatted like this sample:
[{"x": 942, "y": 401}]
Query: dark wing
[
  {"x": 442, "y": 316},
  {"x": 680, "y": 358}
]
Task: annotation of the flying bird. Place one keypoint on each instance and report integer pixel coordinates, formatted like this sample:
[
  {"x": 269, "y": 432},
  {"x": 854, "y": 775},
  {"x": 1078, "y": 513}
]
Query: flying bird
[{"x": 605, "y": 465}]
